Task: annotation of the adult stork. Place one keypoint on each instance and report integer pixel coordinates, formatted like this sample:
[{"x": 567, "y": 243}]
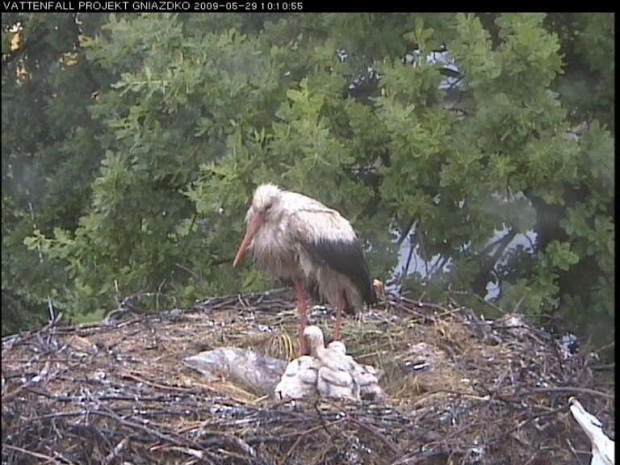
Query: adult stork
[{"x": 298, "y": 239}]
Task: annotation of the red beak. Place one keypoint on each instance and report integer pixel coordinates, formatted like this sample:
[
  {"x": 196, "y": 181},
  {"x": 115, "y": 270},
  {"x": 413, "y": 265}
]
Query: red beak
[{"x": 253, "y": 225}]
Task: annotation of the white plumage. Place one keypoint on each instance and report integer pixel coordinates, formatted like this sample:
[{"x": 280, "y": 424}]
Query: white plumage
[
  {"x": 299, "y": 379},
  {"x": 298, "y": 239},
  {"x": 603, "y": 450},
  {"x": 365, "y": 376},
  {"x": 335, "y": 375},
  {"x": 328, "y": 372}
]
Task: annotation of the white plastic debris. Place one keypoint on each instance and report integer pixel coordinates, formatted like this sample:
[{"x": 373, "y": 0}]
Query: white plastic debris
[{"x": 602, "y": 446}]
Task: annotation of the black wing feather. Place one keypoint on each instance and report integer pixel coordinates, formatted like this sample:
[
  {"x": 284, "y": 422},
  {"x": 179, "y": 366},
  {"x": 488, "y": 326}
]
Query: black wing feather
[{"x": 347, "y": 258}]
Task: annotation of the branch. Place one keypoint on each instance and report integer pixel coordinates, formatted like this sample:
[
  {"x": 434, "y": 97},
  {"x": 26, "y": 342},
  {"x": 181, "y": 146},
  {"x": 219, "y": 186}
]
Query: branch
[
  {"x": 370, "y": 429},
  {"x": 194, "y": 274},
  {"x": 130, "y": 424},
  {"x": 405, "y": 232},
  {"x": 406, "y": 271},
  {"x": 502, "y": 244},
  {"x": 47, "y": 458},
  {"x": 574, "y": 389}
]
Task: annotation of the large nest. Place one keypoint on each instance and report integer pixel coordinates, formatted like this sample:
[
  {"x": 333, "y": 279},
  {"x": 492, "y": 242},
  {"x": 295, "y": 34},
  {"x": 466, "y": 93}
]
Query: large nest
[{"x": 461, "y": 390}]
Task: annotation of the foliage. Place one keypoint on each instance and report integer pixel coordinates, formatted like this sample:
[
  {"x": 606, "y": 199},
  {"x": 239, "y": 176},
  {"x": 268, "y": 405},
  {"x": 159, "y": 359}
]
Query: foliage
[{"x": 148, "y": 133}]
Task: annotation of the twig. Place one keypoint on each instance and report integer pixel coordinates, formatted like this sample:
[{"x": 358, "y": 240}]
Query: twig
[
  {"x": 247, "y": 449},
  {"x": 157, "y": 385},
  {"x": 573, "y": 389},
  {"x": 426, "y": 304},
  {"x": 13, "y": 394},
  {"x": 405, "y": 233},
  {"x": 31, "y": 453},
  {"x": 144, "y": 429},
  {"x": 204, "y": 284},
  {"x": 408, "y": 262},
  {"x": 423, "y": 250},
  {"x": 480, "y": 298},
  {"x": 303, "y": 434},
  {"x": 370, "y": 429},
  {"x": 607, "y": 367},
  {"x": 573, "y": 451},
  {"x": 114, "y": 452}
]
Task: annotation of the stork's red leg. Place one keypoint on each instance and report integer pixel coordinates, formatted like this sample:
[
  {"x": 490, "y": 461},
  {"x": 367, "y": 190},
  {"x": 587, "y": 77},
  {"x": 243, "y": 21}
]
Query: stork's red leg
[
  {"x": 302, "y": 306},
  {"x": 342, "y": 303}
]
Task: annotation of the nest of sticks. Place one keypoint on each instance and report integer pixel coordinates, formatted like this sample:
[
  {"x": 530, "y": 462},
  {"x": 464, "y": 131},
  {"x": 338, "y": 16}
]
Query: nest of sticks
[{"x": 461, "y": 390}]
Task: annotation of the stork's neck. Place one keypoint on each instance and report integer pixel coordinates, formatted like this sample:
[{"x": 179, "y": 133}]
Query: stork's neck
[
  {"x": 318, "y": 350},
  {"x": 270, "y": 238}
]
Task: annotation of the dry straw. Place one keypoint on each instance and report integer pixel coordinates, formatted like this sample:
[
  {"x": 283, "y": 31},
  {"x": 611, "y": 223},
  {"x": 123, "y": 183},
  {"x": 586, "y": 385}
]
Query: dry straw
[{"x": 117, "y": 392}]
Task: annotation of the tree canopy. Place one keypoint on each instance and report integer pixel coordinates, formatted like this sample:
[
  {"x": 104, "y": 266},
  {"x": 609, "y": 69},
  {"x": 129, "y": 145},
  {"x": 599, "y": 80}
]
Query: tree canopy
[{"x": 131, "y": 145}]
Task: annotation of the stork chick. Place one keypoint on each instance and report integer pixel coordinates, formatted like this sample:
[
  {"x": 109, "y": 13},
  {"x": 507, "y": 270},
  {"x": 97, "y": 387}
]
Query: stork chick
[
  {"x": 365, "y": 376},
  {"x": 334, "y": 378},
  {"x": 299, "y": 379}
]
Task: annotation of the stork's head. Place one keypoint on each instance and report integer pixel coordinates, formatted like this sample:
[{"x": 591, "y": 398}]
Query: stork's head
[
  {"x": 315, "y": 339},
  {"x": 338, "y": 346},
  {"x": 266, "y": 196}
]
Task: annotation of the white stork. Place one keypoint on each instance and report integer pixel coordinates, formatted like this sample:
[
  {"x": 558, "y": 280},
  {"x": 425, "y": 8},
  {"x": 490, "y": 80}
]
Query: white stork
[{"x": 298, "y": 239}]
